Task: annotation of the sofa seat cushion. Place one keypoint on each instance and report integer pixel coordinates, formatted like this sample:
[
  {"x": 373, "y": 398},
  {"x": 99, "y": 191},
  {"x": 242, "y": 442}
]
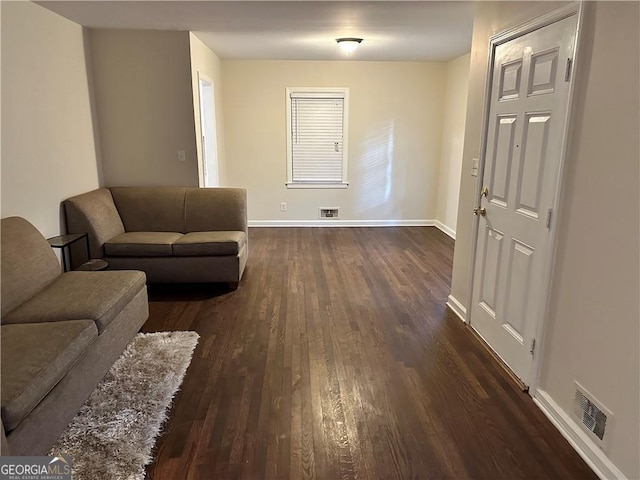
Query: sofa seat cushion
[
  {"x": 196, "y": 244},
  {"x": 141, "y": 244},
  {"x": 35, "y": 357},
  {"x": 99, "y": 296}
]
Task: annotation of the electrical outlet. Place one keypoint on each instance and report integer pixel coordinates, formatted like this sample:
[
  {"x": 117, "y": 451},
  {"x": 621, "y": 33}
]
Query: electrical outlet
[
  {"x": 283, "y": 207},
  {"x": 181, "y": 156}
]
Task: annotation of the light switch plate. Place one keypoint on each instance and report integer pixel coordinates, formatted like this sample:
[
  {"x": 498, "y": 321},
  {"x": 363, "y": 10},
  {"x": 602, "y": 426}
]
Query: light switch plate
[{"x": 474, "y": 167}]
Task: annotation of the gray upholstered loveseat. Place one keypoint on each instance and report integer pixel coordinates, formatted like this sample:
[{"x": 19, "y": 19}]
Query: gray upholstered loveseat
[
  {"x": 61, "y": 332},
  {"x": 173, "y": 234}
]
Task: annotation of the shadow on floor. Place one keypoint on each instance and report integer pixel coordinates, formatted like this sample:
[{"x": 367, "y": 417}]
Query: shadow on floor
[{"x": 187, "y": 291}]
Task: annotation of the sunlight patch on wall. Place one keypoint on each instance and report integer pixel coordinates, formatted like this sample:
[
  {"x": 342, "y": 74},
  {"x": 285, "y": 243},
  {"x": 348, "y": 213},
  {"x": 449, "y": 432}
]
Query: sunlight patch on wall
[{"x": 376, "y": 172}]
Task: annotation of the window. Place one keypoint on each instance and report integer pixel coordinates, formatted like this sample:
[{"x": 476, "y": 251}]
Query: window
[{"x": 317, "y": 120}]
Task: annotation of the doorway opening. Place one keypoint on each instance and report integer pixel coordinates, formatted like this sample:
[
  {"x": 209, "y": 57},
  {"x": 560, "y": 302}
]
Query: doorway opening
[{"x": 210, "y": 177}]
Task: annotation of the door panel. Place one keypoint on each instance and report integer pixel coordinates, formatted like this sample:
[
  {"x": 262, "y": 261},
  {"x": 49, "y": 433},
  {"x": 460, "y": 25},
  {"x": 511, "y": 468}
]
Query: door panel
[
  {"x": 491, "y": 270},
  {"x": 518, "y": 288},
  {"x": 542, "y": 74},
  {"x": 525, "y": 134},
  {"x": 510, "y": 80},
  {"x": 501, "y": 171},
  {"x": 534, "y": 142}
]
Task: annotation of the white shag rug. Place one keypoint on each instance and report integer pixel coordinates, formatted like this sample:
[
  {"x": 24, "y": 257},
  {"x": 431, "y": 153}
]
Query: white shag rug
[{"x": 112, "y": 436}]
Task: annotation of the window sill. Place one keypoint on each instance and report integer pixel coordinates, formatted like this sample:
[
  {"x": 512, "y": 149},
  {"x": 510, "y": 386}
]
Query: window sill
[{"x": 317, "y": 185}]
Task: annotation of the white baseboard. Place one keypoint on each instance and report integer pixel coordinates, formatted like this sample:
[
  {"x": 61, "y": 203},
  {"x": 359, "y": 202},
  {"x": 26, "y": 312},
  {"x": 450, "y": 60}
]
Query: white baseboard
[
  {"x": 457, "y": 308},
  {"x": 341, "y": 223},
  {"x": 581, "y": 443},
  {"x": 443, "y": 228}
]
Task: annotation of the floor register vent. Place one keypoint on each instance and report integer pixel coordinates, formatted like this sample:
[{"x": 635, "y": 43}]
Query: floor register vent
[
  {"x": 333, "y": 212},
  {"x": 591, "y": 415}
]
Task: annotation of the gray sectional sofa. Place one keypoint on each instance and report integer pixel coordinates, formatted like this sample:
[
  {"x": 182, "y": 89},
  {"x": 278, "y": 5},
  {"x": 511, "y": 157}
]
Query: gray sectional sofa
[
  {"x": 60, "y": 334},
  {"x": 173, "y": 234}
]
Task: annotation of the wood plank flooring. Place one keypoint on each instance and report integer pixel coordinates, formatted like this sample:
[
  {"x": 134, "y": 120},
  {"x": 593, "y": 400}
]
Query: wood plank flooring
[{"x": 337, "y": 358}]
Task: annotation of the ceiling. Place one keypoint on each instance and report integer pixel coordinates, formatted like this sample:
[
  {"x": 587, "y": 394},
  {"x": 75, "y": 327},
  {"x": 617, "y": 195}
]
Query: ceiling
[{"x": 295, "y": 30}]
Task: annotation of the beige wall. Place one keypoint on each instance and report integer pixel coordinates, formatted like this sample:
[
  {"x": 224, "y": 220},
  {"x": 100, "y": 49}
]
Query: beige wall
[
  {"x": 205, "y": 62},
  {"x": 145, "y": 106},
  {"x": 395, "y": 134},
  {"x": 592, "y": 330},
  {"x": 453, "y": 123},
  {"x": 48, "y": 145}
]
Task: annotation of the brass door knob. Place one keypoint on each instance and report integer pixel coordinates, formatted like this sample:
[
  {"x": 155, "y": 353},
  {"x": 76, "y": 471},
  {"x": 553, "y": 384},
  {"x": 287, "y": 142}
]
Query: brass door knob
[{"x": 480, "y": 211}]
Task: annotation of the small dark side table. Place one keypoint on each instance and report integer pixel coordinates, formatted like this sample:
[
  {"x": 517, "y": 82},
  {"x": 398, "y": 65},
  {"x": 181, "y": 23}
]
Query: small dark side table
[{"x": 65, "y": 242}]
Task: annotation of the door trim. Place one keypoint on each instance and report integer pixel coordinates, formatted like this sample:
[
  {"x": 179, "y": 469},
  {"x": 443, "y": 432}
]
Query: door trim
[
  {"x": 575, "y": 8},
  {"x": 202, "y": 168}
]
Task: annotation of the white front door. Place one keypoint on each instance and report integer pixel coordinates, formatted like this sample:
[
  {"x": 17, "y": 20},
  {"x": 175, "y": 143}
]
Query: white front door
[{"x": 524, "y": 147}]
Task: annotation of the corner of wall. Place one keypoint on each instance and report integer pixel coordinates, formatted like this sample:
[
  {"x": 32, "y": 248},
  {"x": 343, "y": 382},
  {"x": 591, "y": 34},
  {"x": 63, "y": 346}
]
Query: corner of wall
[
  {"x": 452, "y": 143},
  {"x": 86, "y": 40},
  {"x": 457, "y": 307}
]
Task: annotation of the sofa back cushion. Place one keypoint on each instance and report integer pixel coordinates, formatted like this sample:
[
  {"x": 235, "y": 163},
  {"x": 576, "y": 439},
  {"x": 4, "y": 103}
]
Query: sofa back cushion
[
  {"x": 28, "y": 263},
  {"x": 94, "y": 213},
  {"x": 150, "y": 209},
  {"x": 216, "y": 209}
]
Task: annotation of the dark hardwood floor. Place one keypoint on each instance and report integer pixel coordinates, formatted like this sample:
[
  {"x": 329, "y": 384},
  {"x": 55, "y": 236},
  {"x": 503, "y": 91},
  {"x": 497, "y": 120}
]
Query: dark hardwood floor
[{"x": 337, "y": 358}]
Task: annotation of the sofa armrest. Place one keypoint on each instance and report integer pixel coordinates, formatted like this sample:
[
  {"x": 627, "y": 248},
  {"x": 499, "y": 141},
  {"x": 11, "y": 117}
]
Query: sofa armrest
[
  {"x": 4, "y": 445},
  {"x": 28, "y": 263},
  {"x": 94, "y": 213},
  {"x": 216, "y": 209}
]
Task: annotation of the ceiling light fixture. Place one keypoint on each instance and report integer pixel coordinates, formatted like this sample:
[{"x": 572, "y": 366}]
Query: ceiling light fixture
[{"x": 348, "y": 44}]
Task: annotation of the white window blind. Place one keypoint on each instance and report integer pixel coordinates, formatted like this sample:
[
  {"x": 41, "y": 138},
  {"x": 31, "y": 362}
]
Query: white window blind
[{"x": 317, "y": 137}]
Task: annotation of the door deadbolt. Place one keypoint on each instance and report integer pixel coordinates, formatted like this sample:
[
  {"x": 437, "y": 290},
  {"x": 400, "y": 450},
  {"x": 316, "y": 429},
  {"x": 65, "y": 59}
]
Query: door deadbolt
[
  {"x": 480, "y": 211},
  {"x": 484, "y": 192}
]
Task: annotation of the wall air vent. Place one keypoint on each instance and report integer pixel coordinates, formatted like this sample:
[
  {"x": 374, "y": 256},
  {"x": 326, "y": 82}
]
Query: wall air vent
[
  {"x": 330, "y": 212},
  {"x": 592, "y": 416}
]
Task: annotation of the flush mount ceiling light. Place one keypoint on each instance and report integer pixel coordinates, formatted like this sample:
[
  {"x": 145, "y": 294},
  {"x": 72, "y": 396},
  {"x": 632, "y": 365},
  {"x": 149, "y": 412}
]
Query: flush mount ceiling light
[{"x": 348, "y": 44}]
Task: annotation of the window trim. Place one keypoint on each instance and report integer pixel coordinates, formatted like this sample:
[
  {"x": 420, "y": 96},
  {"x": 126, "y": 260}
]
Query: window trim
[{"x": 344, "y": 92}]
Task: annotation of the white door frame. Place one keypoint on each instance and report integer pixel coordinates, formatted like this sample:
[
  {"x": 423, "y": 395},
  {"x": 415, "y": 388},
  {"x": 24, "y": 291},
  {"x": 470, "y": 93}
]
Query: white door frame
[
  {"x": 204, "y": 168},
  {"x": 554, "y": 16}
]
